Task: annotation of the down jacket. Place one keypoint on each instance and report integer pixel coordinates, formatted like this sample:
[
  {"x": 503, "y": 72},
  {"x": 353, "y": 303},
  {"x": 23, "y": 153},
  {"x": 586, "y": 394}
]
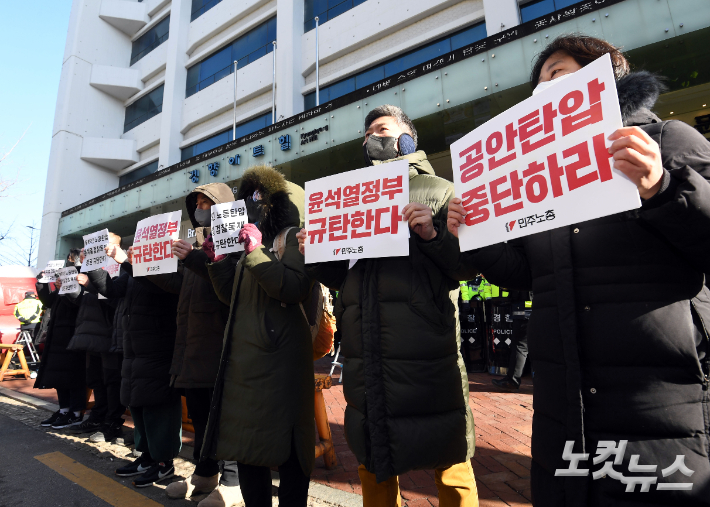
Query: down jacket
[
  {"x": 148, "y": 336},
  {"x": 60, "y": 368},
  {"x": 264, "y": 395},
  {"x": 93, "y": 323},
  {"x": 201, "y": 316},
  {"x": 618, "y": 335},
  {"x": 404, "y": 379}
]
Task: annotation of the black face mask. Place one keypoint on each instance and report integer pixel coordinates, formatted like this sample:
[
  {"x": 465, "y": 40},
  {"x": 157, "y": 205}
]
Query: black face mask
[
  {"x": 255, "y": 208},
  {"x": 383, "y": 148}
]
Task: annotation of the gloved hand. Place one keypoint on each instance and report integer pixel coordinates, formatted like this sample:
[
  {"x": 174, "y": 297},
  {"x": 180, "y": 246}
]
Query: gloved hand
[
  {"x": 250, "y": 235},
  {"x": 208, "y": 248}
]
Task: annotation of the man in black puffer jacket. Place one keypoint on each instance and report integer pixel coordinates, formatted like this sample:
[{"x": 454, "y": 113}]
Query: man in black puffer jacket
[
  {"x": 619, "y": 329},
  {"x": 149, "y": 328}
]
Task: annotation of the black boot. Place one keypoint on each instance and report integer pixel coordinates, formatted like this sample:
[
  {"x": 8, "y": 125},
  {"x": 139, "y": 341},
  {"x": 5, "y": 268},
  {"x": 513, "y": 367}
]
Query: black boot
[{"x": 506, "y": 383}]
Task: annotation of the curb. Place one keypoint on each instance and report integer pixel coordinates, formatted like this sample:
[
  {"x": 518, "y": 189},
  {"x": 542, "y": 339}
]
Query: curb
[{"x": 30, "y": 400}]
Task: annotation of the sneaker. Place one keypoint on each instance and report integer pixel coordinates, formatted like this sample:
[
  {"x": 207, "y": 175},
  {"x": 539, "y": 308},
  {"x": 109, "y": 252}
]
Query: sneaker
[
  {"x": 506, "y": 383},
  {"x": 139, "y": 466},
  {"x": 86, "y": 426},
  {"x": 52, "y": 419},
  {"x": 66, "y": 420},
  {"x": 107, "y": 432},
  {"x": 157, "y": 473}
]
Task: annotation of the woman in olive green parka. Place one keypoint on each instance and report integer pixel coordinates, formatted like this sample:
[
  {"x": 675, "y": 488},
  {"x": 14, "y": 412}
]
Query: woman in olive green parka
[{"x": 262, "y": 413}]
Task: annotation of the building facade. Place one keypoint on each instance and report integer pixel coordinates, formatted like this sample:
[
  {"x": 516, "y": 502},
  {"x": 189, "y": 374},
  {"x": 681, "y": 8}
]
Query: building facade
[{"x": 146, "y": 105}]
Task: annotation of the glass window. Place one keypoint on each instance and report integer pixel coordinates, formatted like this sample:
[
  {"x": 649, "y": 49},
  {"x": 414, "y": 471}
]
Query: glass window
[
  {"x": 199, "y": 7},
  {"x": 246, "y": 49},
  {"x": 396, "y": 65},
  {"x": 537, "y": 8},
  {"x": 216, "y": 140},
  {"x": 325, "y": 10},
  {"x": 138, "y": 174},
  {"x": 150, "y": 40},
  {"x": 144, "y": 109}
]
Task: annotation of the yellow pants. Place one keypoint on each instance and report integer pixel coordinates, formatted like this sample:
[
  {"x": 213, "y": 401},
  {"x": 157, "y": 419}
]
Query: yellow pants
[{"x": 456, "y": 485}]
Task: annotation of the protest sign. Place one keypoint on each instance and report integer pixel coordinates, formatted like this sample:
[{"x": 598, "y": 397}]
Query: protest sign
[
  {"x": 50, "y": 272},
  {"x": 112, "y": 267},
  {"x": 152, "y": 244},
  {"x": 358, "y": 214},
  {"x": 94, "y": 254},
  {"x": 227, "y": 220},
  {"x": 544, "y": 163},
  {"x": 68, "y": 277}
]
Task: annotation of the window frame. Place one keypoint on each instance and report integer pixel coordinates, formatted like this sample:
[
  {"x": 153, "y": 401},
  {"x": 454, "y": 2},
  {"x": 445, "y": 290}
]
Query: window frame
[{"x": 136, "y": 57}]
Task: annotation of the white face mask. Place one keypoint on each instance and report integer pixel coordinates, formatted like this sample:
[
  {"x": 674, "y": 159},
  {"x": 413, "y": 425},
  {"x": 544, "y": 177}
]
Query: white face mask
[{"x": 546, "y": 84}]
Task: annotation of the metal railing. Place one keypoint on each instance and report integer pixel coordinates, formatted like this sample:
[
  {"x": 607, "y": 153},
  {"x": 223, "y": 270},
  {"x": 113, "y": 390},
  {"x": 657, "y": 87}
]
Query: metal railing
[
  {"x": 142, "y": 118},
  {"x": 205, "y": 7},
  {"x": 150, "y": 48},
  {"x": 226, "y": 71}
]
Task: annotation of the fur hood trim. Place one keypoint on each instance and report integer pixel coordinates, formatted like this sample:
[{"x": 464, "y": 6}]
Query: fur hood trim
[{"x": 638, "y": 90}]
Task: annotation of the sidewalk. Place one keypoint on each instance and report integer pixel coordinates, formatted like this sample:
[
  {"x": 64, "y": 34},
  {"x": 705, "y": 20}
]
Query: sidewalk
[{"x": 501, "y": 463}]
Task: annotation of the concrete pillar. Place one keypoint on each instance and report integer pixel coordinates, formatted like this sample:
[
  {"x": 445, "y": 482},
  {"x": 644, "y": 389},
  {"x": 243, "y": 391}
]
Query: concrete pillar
[
  {"x": 175, "y": 79},
  {"x": 501, "y": 15},
  {"x": 289, "y": 81}
]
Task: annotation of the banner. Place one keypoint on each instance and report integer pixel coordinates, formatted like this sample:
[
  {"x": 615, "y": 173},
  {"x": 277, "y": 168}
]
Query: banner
[
  {"x": 152, "y": 244},
  {"x": 544, "y": 163},
  {"x": 94, "y": 254},
  {"x": 227, "y": 220},
  {"x": 68, "y": 277},
  {"x": 358, "y": 214},
  {"x": 50, "y": 272}
]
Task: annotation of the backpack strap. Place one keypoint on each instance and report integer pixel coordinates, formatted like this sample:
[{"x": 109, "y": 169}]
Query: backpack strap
[{"x": 280, "y": 243}]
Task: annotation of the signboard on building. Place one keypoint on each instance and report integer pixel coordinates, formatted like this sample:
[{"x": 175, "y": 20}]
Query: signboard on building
[
  {"x": 94, "y": 251},
  {"x": 227, "y": 220},
  {"x": 68, "y": 278},
  {"x": 152, "y": 244},
  {"x": 544, "y": 163},
  {"x": 358, "y": 214}
]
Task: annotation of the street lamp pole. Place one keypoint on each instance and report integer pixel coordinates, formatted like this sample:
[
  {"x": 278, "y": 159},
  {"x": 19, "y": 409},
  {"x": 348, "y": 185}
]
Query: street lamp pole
[
  {"x": 317, "y": 65},
  {"x": 273, "y": 90},
  {"x": 29, "y": 254}
]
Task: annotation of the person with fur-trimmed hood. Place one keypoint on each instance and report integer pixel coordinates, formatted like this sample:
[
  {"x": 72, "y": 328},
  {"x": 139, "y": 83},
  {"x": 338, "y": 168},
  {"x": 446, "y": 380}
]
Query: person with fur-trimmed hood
[
  {"x": 262, "y": 412},
  {"x": 618, "y": 335}
]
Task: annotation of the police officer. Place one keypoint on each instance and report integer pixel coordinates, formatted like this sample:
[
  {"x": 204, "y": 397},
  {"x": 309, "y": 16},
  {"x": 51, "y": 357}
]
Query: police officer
[
  {"x": 520, "y": 313},
  {"x": 28, "y": 311}
]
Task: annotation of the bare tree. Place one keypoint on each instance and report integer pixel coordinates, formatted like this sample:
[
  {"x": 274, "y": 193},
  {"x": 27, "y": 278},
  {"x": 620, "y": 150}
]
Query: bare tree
[
  {"x": 21, "y": 252},
  {"x": 7, "y": 182}
]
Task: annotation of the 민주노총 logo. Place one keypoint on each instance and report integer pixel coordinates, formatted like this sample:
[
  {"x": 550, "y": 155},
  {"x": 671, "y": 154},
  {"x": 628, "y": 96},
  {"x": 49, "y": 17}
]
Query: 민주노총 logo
[{"x": 530, "y": 220}]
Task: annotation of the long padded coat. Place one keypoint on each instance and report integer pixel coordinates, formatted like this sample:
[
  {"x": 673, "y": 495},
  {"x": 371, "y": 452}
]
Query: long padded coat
[
  {"x": 148, "y": 336},
  {"x": 618, "y": 335},
  {"x": 264, "y": 395},
  {"x": 60, "y": 368},
  {"x": 404, "y": 379}
]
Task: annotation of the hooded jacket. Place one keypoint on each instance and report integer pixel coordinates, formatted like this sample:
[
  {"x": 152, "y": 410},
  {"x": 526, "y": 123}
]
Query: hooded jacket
[
  {"x": 94, "y": 322},
  {"x": 404, "y": 379},
  {"x": 60, "y": 368},
  {"x": 263, "y": 401},
  {"x": 149, "y": 330},
  {"x": 618, "y": 335},
  {"x": 201, "y": 316}
]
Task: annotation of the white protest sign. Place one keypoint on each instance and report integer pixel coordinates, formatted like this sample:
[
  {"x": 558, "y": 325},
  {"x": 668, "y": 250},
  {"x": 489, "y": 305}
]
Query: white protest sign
[
  {"x": 227, "y": 220},
  {"x": 68, "y": 278},
  {"x": 112, "y": 267},
  {"x": 544, "y": 163},
  {"x": 358, "y": 214},
  {"x": 94, "y": 254},
  {"x": 152, "y": 244},
  {"x": 50, "y": 272}
]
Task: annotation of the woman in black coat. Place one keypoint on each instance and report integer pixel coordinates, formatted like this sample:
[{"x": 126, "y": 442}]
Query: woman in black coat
[
  {"x": 618, "y": 335},
  {"x": 62, "y": 369}
]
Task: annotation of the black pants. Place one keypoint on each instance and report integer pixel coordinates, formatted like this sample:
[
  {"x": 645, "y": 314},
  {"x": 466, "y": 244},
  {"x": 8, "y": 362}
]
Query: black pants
[
  {"x": 256, "y": 484},
  {"x": 106, "y": 383},
  {"x": 518, "y": 351},
  {"x": 73, "y": 399}
]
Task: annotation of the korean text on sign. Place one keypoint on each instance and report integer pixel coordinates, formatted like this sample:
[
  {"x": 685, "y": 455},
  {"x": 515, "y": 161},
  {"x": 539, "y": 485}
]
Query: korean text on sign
[
  {"x": 152, "y": 244},
  {"x": 50, "y": 272},
  {"x": 543, "y": 163},
  {"x": 94, "y": 253},
  {"x": 68, "y": 278},
  {"x": 358, "y": 214},
  {"x": 227, "y": 220}
]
